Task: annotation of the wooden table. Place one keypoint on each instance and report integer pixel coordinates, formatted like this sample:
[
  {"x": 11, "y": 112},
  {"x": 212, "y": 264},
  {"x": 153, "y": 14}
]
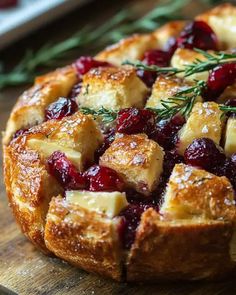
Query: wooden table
[{"x": 25, "y": 271}]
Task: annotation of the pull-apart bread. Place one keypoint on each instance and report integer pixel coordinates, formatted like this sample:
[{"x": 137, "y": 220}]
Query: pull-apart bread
[{"x": 129, "y": 171}]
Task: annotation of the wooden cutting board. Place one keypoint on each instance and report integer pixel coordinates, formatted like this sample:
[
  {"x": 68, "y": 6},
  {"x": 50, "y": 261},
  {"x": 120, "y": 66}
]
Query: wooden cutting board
[{"x": 24, "y": 270}]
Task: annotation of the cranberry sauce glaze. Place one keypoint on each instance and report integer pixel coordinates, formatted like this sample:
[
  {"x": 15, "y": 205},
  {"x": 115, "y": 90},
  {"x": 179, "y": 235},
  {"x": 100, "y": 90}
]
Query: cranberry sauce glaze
[{"x": 202, "y": 152}]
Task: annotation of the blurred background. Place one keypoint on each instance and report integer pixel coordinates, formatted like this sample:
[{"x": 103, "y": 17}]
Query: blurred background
[{"x": 36, "y": 35}]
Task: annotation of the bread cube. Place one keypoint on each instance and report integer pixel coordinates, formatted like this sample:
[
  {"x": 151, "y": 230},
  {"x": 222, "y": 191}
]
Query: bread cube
[
  {"x": 137, "y": 159},
  {"x": 164, "y": 88},
  {"x": 230, "y": 137},
  {"x": 108, "y": 203},
  {"x": 183, "y": 57},
  {"x": 112, "y": 88},
  {"x": 78, "y": 136},
  {"x": 204, "y": 121},
  {"x": 30, "y": 107},
  {"x": 222, "y": 19},
  {"x": 180, "y": 249},
  {"x": 84, "y": 238},
  {"x": 195, "y": 193},
  {"x": 131, "y": 48},
  {"x": 170, "y": 30}
]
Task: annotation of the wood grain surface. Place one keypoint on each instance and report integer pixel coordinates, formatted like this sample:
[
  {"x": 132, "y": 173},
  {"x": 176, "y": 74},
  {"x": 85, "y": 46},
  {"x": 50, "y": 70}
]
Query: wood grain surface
[{"x": 24, "y": 270}]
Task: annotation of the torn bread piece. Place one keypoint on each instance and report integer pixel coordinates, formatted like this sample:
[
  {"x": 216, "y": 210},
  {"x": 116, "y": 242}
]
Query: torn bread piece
[
  {"x": 166, "y": 250},
  {"x": 194, "y": 193},
  {"x": 131, "y": 48},
  {"x": 166, "y": 87},
  {"x": 30, "y": 107},
  {"x": 112, "y": 88},
  {"x": 137, "y": 159},
  {"x": 84, "y": 238},
  {"x": 204, "y": 121},
  {"x": 222, "y": 19},
  {"x": 78, "y": 136}
]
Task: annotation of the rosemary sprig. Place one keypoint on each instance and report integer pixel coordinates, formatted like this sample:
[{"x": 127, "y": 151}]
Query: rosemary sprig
[
  {"x": 107, "y": 116},
  {"x": 182, "y": 102},
  {"x": 227, "y": 109},
  {"x": 153, "y": 68},
  {"x": 198, "y": 65},
  {"x": 212, "y": 60}
]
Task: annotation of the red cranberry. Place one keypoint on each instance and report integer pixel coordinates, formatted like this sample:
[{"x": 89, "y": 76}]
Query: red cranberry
[
  {"x": 219, "y": 78},
  {"x": 132, "y": 120},
  {"x": 198, "y": 34},
  {"x": 65, "y": 172},
  {"x": 147, "y": 77},
  {"x": 86, "y": 63},
  {"x": 61, "y": 108},
  {"x": 171, "y": 158},
  {"x": 108, "y": 139},
  {"x": 135, "y": 197},
  {"x": 19, "y": 133},
  {"x": 75, "y": 91},
  {"x": 103, "y": 179},
  {"x": 8, "y": 3},
  {"x": 131, "y": 219},
  {"x": 153, "y": 57},
  {"x": 156, "y": 57},
  {"x": 166, "y": 131},
  {"x": 227, "y": 169},
  {"x": 231, "y": 102},
  {"x": 204, "y": 153}
]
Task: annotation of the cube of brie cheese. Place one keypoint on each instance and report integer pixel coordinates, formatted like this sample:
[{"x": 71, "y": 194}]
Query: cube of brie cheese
[
  {"x": 204, "y": 121},
  {"x": 46, "y": 148},
  {"x": 195, "y": 193},
  {"x": 108, "y": 203},
  {"x": 137, "y": 159},
  {"x": 78, "y": 136},
  {"x": 164, "y": 88},
  {"x": 112, "y": 88},
  {"x": 183, "y": 57},
  {"x": 131, "y": 48},
  {"x": 222, "y": 20},
  {"x": 230, "y": 137}
]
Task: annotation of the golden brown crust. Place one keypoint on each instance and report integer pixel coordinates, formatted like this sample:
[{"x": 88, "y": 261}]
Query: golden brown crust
[
  {"x": 131, "y": 48},
  {"x": 86, "y": 239},
  {"x": 30, "y": 107},
  {"x": 179, "y": 250},
  {"x": 29, "y": 188}
]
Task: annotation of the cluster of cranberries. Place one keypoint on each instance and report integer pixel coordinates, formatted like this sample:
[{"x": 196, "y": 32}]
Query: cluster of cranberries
[
  {"x": 205, "y": 154},
  {"x": 96, "y": 178},
  {"x": 196, "y": 34}
]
